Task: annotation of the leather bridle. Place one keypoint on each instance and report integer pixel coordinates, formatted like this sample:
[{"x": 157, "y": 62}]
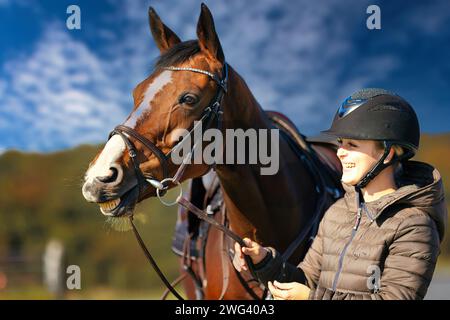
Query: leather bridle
[{"x": 212, "y": 112}]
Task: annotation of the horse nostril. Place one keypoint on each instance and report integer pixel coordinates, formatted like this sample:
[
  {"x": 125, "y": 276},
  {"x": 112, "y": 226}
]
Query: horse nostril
[{"x": 111, "y": 177}]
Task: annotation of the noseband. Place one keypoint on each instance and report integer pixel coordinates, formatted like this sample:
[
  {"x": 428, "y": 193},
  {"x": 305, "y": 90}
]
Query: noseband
[{"x": 213, "y": 111}]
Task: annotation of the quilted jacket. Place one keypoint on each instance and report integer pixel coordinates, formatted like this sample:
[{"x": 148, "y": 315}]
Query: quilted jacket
[{"x": 384, "y": 249}]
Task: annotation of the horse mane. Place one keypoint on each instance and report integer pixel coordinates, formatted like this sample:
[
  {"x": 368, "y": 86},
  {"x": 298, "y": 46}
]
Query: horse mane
[{"x": 177, "y": 54}]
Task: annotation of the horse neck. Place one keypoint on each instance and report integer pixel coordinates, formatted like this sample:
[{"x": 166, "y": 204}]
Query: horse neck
[{"x": 269, "y": 208}]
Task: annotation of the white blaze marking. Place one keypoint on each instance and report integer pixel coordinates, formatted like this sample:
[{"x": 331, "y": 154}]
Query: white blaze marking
[
  {"x": 156, "y": 86},
  {"x": 115, "y": 147},
  {"x": 112, "y": 151}
]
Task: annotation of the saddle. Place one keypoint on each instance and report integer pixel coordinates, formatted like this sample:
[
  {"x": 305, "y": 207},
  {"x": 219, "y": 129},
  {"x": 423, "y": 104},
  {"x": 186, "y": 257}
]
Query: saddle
[{"x": 190, "y": 237}]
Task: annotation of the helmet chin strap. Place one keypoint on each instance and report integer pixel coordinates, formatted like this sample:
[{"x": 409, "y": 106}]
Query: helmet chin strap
[{"x": 378, "y": 167}]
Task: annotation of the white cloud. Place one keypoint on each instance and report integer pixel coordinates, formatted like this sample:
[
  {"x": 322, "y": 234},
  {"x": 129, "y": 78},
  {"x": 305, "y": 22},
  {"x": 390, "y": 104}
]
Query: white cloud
[
  {"x": 292, "y": 56},
  {"x": 54, "y": 94}
]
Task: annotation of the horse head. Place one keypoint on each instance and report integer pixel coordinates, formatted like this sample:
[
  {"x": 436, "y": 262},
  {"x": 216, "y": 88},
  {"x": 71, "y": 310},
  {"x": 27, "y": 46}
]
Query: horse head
[{"x": 166, "y": 104}]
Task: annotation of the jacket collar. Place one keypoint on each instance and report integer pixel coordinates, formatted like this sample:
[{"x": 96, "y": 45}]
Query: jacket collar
[{"x": 419, "y": 185}]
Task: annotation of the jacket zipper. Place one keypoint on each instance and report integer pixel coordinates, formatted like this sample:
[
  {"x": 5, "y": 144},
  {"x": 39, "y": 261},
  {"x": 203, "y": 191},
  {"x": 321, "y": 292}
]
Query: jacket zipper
[{"x": 342, "y": 255}]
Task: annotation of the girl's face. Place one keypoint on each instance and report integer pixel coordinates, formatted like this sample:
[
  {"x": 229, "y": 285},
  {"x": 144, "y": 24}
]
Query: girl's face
[{"x": 357, "y": 158}]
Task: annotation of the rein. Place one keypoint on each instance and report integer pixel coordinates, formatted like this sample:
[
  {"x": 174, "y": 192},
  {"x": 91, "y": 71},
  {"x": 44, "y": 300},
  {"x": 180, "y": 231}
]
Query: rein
[{"x": 210, "y": 113}]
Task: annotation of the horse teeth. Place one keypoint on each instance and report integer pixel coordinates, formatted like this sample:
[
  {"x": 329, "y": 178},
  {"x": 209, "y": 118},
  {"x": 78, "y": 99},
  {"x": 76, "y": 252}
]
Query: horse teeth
[{"x": 109, "y": 205}]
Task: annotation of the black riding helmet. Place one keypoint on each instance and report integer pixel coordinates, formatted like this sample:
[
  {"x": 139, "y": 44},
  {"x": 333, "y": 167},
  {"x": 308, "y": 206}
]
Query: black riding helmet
[{"x": 377, "y": 114}]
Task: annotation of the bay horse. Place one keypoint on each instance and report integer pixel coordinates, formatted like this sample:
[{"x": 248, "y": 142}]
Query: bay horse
[{"x": 189, "y": 79}]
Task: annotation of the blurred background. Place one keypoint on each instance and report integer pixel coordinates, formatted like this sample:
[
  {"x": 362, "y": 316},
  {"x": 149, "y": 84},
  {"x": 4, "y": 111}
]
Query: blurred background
[{"x": 62, "y": 91}]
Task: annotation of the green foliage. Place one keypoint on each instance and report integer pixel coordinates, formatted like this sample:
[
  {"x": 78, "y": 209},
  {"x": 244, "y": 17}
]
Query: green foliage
[{"x": 40, "y": 199}]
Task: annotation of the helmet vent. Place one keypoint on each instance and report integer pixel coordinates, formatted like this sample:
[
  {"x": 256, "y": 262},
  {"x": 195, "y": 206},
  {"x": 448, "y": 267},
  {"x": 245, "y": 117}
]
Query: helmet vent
[{"x": 387, "y": 108}]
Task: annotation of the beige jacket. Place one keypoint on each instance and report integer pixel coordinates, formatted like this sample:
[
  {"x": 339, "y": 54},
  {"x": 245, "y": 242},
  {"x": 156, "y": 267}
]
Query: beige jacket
[{"x": 385, "y": 249}]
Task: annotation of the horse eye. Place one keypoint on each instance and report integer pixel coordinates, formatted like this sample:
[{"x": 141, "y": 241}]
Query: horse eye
[{"x": 188, "y": 99}]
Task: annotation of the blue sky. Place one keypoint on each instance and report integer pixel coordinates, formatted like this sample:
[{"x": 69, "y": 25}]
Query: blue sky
[{"x": 60, "y": 88}]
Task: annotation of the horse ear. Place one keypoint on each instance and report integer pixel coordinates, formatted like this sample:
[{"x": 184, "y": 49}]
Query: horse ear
[
  {"x": 207, "y": 36},
  {"x": 163, "y": 36}
]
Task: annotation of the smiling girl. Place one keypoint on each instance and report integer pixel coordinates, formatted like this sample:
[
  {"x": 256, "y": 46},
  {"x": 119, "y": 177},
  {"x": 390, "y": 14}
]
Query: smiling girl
[{"x": 382, "y": 239}]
